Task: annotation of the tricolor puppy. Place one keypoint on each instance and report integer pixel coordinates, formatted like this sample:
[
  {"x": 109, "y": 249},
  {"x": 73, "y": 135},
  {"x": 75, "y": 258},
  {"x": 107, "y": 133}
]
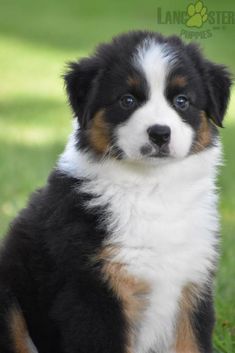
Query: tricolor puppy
[{"x": 117, "y": 253}]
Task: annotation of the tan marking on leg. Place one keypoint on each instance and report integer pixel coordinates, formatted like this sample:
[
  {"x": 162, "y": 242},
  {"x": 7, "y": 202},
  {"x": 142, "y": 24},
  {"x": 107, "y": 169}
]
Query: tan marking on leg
[
  {"x": 185, "y": 335},
  {"x": 203, "y": 135},
  {"x": 131, "y": 291},
  {"x": 180, "y": 81},
  {"x": 98, "y": 133},
  {"x": 19, "y": 332}
]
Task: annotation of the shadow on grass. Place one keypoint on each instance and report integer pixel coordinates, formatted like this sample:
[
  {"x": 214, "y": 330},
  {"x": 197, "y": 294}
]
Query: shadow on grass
[
  {"x": 23, "y": 169},
  {"x": 25, "y": 166},
  {"x": 33, "y": 132}
]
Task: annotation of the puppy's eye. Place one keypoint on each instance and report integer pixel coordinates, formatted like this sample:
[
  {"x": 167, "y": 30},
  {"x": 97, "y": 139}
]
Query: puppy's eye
[
  {"x": 127, "y": 101},
  {"x": 181, "y": 102}
]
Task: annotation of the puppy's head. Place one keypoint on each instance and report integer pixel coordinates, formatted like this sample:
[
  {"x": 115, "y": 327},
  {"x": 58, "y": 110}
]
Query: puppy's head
[{"x": 147, "y": 97}]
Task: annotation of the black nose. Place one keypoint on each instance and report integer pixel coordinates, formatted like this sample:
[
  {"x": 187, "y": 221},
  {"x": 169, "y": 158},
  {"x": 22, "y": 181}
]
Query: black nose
[{"x": 159, "y": 134}]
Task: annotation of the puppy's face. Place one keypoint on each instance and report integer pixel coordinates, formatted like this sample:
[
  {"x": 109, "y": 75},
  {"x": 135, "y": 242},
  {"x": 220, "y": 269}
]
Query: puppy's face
[{"x": 147, "y": 97}]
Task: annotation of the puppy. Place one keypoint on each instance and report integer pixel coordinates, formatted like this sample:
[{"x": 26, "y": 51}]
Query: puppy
[{"x": 117, "y": 253}]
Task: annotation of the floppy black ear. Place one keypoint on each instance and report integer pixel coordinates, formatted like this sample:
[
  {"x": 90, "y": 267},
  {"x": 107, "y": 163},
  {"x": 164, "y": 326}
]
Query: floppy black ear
[
  {"x": 218, "y": 83},
  {"x": 79, "y": 81}
]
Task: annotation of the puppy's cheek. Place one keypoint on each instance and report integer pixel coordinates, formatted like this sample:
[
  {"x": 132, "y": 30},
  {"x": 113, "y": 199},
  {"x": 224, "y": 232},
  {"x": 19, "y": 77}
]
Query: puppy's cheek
[
  {"x": 182, "y": 137},
  {"x": 98, "y": 133},
  {"x": 205, "y": 134}
]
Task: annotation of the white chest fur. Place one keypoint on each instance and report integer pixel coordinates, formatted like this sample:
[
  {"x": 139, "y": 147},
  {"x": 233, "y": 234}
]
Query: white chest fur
[{"x": 164, "y": 219}]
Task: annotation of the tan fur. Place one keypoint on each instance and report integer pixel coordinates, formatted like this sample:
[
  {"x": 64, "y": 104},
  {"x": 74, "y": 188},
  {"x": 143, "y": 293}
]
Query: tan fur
[
  {"x": 204, "y": 135},
  {"x": 18, "y": 331},
  {"x": 180, "y": 81},
  {"x": 98, "y": 133},
  {"x": 131, "y": 291},
  {"x": 185, "y": 336},
  {"x": 133, "y": 81}
]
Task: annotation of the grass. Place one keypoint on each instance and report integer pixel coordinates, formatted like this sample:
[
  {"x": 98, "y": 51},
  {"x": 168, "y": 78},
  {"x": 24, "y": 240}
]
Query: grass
[{"x": 36, "y": 39}]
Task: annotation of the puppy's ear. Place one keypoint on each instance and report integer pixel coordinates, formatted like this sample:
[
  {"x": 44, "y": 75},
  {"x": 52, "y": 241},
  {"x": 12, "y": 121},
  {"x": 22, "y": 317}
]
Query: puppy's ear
[
  {"x": 218, "y": 83},
  {"x": 79, "y": 80}
]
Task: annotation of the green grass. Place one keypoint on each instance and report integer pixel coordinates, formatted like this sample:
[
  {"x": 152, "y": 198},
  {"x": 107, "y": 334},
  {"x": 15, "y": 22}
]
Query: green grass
[{"x": 36, "y": 39}]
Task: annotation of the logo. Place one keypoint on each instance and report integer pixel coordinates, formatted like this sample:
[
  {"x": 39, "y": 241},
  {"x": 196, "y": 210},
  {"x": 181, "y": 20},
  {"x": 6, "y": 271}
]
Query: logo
[
  {"x": 198, "y": 22},
  {"x": 197, "y": 15}
]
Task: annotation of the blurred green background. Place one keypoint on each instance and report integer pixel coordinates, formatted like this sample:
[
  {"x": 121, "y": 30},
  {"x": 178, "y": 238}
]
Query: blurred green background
[{"x": 36, "y": 39}]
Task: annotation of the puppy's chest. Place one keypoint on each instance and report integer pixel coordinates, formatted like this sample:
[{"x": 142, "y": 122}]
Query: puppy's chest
[
  {"x": 158, "y": 233},
  {"x": 162, "y": 244}
]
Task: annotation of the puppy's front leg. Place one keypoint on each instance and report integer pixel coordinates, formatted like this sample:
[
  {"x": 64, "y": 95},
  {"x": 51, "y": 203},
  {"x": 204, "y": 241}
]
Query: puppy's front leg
[{"x": 88, "y": 320}]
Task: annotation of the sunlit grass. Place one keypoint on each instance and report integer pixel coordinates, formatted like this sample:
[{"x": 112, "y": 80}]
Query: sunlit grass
[{"x": 33, "y": 70}]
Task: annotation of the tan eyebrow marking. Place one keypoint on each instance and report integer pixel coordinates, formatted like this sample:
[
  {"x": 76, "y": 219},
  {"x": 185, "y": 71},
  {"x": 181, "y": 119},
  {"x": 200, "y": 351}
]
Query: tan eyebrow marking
[
  {"x": 133, "y": 81},
  {"x": 180, "y": 81}
]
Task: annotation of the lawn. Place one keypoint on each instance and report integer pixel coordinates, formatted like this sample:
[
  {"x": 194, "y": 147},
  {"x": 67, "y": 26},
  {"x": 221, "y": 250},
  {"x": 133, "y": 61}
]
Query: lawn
[{"x": 36, "y": 39}]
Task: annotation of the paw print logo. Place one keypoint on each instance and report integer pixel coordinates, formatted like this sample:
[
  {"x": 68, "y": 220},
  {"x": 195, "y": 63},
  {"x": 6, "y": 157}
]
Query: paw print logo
[{"x": 197, "y": 15}]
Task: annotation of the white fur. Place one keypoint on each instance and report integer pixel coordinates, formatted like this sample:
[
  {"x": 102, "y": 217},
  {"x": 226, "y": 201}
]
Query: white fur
[
  {"x": 155, "y": 61},
  {"x": 30, "y": 345},
  {"x": 164, "y": 218}
]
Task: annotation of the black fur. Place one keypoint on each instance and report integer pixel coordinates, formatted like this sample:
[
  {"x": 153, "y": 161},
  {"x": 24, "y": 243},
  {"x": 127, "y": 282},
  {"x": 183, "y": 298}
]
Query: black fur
[
  {"x": 217, "y": 83},
  {"x": 47, "y": 265},
  {"x": 203, "y": 320}
]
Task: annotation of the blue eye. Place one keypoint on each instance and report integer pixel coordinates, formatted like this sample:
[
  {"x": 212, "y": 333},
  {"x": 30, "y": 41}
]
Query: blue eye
[
  {"x": 127, "y": 101},
  {"x": 181, "y": 102}
]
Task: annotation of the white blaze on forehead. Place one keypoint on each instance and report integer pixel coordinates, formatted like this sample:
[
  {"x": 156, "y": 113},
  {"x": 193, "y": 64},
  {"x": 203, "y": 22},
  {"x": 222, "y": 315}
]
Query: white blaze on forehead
[{"x": 155, "y": 61}]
